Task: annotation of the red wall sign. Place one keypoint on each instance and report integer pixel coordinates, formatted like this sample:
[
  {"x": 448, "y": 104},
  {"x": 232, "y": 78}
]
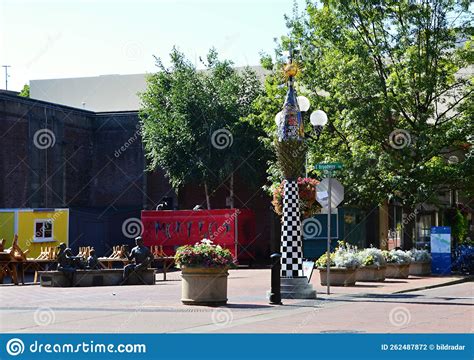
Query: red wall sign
[{"x": 233, "y": 229}]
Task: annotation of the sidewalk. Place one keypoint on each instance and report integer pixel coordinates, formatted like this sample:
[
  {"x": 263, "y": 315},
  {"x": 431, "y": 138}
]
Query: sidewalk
[
  {"x": 389, "y": 286},
  {"x": 158, "y": 309}
]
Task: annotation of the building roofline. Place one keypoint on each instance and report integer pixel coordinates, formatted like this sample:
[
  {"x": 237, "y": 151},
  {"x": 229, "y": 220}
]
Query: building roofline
[{"x": 12, "y": 96}]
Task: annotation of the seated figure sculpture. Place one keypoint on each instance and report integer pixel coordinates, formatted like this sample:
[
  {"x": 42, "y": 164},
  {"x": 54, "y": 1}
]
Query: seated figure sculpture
[
  {"x": 67, "y": 262},
  {"x": 141, "y": 258},
  {"x": 92, "y": 262}
]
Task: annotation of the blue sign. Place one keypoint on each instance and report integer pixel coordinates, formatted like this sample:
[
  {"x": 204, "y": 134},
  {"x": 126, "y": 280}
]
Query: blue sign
[
  {"x": 316, "y": 227},
  {"x": 196, "y": 346},
  {"x": 441, "y": 250}
]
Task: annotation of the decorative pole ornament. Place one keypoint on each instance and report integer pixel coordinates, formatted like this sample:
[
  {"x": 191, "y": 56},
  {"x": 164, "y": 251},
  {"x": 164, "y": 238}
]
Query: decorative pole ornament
[
  {"x": 291, "y": 153},
  {"x": 291, "y": 125}
]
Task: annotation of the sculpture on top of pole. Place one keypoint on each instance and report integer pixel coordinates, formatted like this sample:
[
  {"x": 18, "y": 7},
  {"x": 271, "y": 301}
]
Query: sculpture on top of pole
[{"x": 291, "y": 154}]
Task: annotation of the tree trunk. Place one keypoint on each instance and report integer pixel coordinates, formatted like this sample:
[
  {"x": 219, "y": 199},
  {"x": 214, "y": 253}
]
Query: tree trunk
[
  {"x": 208, "y": 200},
  {"x": 409, "y": 227},
  {"x": 231, "y": 190},
  {"x": 383, "y": 225}
]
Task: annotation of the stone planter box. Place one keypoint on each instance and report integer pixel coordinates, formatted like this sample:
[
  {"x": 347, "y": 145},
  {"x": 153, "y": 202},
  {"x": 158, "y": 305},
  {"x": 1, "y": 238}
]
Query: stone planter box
[
  {"x": 419, "y": 268},
  {"x": 397, "y": 271},
  {"x": 338, "y": 276},
  {"x": 371, "y": 273},
  {"x": 204, "y": 286},
  {"x": 105, "y": 277}
]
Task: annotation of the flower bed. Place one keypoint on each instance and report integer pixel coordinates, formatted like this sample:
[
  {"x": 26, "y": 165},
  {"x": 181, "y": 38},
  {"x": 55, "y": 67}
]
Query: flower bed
[
  {"x": 343, "y": 264},
  {"x": 372, "y": 265},
  {"x": 398, "y": 264},
  {"x": 420, "y": 262}
]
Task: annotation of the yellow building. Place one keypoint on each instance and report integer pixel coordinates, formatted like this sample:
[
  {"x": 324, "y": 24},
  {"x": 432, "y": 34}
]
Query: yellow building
[{"x": 35, "y": 228}]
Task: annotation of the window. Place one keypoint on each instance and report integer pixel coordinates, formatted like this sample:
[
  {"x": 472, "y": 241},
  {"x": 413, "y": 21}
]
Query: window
[{"x": 43, "y": 230}]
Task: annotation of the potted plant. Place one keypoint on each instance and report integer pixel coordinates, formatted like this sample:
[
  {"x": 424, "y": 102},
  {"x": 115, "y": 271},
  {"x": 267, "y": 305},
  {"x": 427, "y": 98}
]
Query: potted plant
[
  {"x": 420, "y": 262},
  {"x": 343, "y": 263},
  {"x": 372, "y": 265},
  {"x": 398, "y": 264},
  {"x": 204, "y": 273}
]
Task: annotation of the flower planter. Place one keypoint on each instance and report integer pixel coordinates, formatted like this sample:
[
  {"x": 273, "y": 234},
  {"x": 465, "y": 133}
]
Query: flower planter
[
  {"x": 371, "y": 273},
  {"x": 397, "y": 271},
  {"x": 204, "y": 286},
  {"x": 420, "y": 268},
  {"x": 338, "y": 276}
]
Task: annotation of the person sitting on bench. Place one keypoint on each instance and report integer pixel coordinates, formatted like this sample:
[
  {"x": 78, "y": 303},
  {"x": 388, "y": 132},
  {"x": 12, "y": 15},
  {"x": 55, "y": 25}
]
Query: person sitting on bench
[{"x": 141, "y": 258}]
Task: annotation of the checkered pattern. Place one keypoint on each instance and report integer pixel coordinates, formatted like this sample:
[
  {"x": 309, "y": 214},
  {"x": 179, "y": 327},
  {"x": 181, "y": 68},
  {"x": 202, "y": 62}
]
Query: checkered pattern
[{"x": 291, "y": 245}]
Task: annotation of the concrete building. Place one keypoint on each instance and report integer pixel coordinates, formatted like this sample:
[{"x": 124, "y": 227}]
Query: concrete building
[{"x": 105, "y": 93}]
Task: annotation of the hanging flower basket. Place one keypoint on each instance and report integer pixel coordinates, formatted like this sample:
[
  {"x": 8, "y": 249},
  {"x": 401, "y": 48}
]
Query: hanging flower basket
[{"x": 307, "y": 192}]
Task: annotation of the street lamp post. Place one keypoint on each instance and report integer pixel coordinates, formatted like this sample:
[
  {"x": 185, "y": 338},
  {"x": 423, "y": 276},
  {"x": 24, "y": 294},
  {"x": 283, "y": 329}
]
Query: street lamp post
[{"x": 291, "y": 155}]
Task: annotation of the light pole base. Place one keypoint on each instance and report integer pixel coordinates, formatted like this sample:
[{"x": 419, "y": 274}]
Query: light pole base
[{"x": 297, "y": 288}]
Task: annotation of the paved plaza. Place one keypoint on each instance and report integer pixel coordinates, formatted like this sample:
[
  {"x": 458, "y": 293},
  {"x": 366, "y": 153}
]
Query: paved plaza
[{"x": 422, "y": 305}]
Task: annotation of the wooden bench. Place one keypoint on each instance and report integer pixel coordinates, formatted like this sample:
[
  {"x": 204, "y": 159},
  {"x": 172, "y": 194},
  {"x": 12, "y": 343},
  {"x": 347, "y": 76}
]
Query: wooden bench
[{"x": 104, "y": 277}]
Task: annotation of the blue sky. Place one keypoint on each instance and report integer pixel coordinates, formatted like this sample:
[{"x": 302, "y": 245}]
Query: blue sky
[{"x": 55, "y": 39}]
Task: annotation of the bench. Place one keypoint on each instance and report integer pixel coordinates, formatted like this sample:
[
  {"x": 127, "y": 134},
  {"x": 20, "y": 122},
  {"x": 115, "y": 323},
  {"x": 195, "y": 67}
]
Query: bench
[{"x": 104, "y": 277}]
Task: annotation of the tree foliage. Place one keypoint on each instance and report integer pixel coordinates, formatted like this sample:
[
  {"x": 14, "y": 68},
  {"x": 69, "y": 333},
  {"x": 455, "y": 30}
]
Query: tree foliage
[
  {"x": 396, "y": 90},
  {"x": 191, "y": 123},
  {"x": 25, "y": 92}
]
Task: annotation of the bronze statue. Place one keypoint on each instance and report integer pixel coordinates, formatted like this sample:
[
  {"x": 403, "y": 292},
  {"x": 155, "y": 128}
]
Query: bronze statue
[
  {"x": 67, "y": 262},
  {"x": 92, "y": 262},
  {"x": 141, "y": 258}
]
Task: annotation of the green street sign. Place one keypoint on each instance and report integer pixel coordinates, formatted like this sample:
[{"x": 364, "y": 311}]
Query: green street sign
[{"x": 328, "y": 166}]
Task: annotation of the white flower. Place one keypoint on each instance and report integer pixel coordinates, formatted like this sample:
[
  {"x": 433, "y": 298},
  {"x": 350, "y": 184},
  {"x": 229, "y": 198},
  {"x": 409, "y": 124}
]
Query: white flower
[
  {"x": 419, "y": 255},
  {"x": 206, "y": 241}
]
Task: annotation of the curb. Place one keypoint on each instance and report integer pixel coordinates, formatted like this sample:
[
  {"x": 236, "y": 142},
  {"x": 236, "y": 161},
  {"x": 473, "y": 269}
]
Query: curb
[{"x": 452, "y": 282}]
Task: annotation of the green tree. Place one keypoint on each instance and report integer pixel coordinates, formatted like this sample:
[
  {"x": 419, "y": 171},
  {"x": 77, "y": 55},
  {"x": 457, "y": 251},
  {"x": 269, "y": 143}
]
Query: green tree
[
  {"x": 25, "y": 92},
  {"x": 390, "y": 76},
  {"x": 191, "y": 123}
]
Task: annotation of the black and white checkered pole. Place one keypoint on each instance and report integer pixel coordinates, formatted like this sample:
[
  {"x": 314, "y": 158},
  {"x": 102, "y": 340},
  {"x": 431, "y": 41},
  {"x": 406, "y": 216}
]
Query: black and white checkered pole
[
  {"x": 291, "y": 151},
  {"x": 291, "y": 243}
]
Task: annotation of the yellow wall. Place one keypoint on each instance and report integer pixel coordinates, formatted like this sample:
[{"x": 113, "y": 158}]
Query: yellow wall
[
  {"x": 7, "y": 227},
  {"x": 26, "y": 229}
]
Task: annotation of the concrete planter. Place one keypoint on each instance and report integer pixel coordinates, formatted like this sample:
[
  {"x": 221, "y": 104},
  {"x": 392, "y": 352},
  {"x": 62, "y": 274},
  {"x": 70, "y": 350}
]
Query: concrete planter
[
  {"x": 372, "y": 273},
  {"x": 338, "y": 276},
  {"x": 103, "y": 277},
  {"x": 204, "y": 286},
  {"x": 419, "y": 268},
  {"x": 397, "y": 271}
]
